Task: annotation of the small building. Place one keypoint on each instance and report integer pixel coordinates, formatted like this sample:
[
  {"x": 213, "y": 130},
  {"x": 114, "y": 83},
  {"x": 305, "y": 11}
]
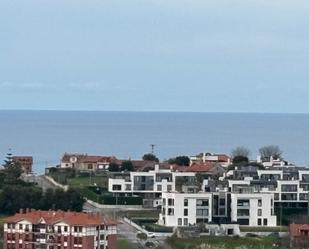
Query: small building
[
  {"x": 84, "y": 162},
  {"x": 58, "y": 229},
  {"x": 25, "y": 162}
]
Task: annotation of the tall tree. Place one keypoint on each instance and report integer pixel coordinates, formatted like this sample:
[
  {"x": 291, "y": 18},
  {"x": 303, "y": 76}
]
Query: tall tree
[
  {"x": 127, "y": 166},
  {"x": 274, "y": 151},
  {"x": 150, "y": 157},
  {"x": 180, "y": 160},
  {"x": 240, "y": 151}
]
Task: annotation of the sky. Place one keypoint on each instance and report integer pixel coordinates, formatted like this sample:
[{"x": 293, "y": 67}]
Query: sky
[{"x": 155, "y": 55}]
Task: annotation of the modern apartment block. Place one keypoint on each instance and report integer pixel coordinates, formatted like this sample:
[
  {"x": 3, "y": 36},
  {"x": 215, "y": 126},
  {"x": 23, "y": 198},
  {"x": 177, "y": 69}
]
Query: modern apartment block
[
  {"x": 289, "y": 185},
  {"x": 149, "y": 184},
  {"x": 34, "y": 229},
  {"x": 187, "y": 209}
]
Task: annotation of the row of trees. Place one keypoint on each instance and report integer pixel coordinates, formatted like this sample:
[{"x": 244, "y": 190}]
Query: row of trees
[{"x": 266, "y": 152}]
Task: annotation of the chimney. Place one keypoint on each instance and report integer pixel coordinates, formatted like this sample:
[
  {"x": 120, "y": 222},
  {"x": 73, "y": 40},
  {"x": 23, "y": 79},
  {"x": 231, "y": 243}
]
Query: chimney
[
  {"x": 21, "y": 210},
  {"x": 156, "y": 167},
  {"x": 27, "y": 210}
]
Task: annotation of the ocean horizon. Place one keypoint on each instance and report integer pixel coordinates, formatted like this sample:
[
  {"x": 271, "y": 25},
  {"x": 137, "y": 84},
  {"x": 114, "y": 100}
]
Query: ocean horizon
[{"x": 48, "y": 134}]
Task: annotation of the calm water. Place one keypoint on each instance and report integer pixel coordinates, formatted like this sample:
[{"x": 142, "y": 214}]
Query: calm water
[{"x": 48, "y": 134}]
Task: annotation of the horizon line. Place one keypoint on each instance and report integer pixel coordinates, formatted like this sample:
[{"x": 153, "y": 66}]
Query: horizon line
[{"x": 155, "y": 111}]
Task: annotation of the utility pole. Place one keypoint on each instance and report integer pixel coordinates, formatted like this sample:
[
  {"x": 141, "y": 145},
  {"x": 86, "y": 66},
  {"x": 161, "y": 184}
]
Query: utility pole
[{"x": 152, "y": 148}]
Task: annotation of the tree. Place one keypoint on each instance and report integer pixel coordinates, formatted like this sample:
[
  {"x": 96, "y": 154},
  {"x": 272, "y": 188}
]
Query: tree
[
  {"x": 127, "y": 166},
  {"x": 113, "y": 167},
  {"x": 240, "y": 151},
  {"x": 12, "y": 170},
  {"x": 240, "y": 159},
  {"x": 180, "y": 160},
  {"x": 150, "y": 157},
  {"x": 266, "y": 152}
]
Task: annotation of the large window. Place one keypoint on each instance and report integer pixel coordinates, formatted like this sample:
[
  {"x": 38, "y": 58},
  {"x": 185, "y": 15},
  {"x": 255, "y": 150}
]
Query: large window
[
  {"x": 170, "y": 202},
  {"x": 243, "y": 203},
  {"x": 117, "y": 187},
  {"x": 289, "y": 188},
  {"x": 202, "y": 202},
  {"x": 243, "y": 212}
]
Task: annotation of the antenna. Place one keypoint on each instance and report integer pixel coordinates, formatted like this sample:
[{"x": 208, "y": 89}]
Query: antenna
[{"x": 152, "y": 148}]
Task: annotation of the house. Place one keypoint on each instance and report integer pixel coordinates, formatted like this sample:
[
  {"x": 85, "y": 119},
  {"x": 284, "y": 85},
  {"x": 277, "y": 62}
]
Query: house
[
  {"x": 225, "y": 160},
  {"x": 84, "y": 162},
  {"x": 31, "y": 229},
  {"x": 25, "y": 162}
]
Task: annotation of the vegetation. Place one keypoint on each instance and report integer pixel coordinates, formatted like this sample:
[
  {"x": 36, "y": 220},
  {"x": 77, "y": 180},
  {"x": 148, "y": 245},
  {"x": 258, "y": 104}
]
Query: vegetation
[
  {"x": 264, "y": 229},
  {"x": 126, "y": 166},
  {"x": 114, "y": 167},
  {"x": 150, "y": 157},
  {"x": 131, "y": 214},
  {"x": 180, "y": 160},
  {"x": 240, "y": 159},
  {"x": 240, "y": 151},
  {"x": 218, "y": 242},
  {"x": 16, "y": 194},
  {"x": 141, "y": 236},
  {"x": 123, "y": 244},
  {"x": 266, "y": 152}
]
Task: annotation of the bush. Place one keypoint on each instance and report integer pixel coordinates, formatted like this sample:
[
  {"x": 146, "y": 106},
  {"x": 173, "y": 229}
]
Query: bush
[{"x": 141, "y": 236}]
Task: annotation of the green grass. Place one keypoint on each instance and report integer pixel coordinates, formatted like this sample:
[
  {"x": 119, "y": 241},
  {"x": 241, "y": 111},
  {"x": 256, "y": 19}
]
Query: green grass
[
  {"x": 223, "y": 242},
  {"x": 85, "y": 181},
  {"x": 264, "y": 229},
  {"x": 123, "y": 244},
  {"x": 153, "y": 214}
]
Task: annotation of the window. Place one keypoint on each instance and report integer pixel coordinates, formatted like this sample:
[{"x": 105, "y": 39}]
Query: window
[
  {"x": 265, "y": 222},
  {"x": 116, "y": 187},
  {"x": 89, "y": 166},
  {"x": 169, "y": 188},
  {"x": 202, "y": 202},
  {"x": 128, "y": 187},
  {"x": 259, "y": 202},
  {"x": 202, "y": 212},
  {"x": 78, "y": 229},
  {"x": 243, "y": 212},
  {"x": 65, "y": 228},
  {"x": 259, "y": 212},
  {"x": 179, "y": 222},
  {"x": 259, "y": 222},
  {"x": 276, "y": 196},
  {"x": 159, "y": 187},
  {"x": 185, "y": 212},
  {"x": 185, "y": 221},
  {"x": 170, "y": 202},
  {"x": 170, "y": 211},
  {"x": 164, "y": 201},
  {"x": 289, "y": 188},
  {"x": 243, "y": 203},
  {"x": 185, "y": 202}
]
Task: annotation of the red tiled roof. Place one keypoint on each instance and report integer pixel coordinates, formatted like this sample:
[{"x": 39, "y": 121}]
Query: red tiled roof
[
  {"x": 295, "y": 229},
  {"x": 53, "y": 217},
  {"x": 195, "y": 167},
  {"x": 84, "y": 158}
]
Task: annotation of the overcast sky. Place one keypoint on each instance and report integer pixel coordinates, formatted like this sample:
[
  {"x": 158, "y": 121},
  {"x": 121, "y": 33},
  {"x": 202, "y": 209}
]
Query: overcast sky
[{"x": 155, "y": 55}]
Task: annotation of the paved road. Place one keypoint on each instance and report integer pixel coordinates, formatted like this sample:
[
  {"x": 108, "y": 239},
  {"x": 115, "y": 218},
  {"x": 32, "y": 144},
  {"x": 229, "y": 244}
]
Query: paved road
[{"x": 44, "y": 183}]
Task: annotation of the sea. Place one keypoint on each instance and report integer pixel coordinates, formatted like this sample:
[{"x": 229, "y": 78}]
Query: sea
[{"x": 47, "y": 135}]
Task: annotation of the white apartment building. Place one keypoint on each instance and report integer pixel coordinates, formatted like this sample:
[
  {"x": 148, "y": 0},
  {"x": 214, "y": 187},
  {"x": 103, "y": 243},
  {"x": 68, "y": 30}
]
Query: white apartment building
[
  {"x": 287, "y": 186},
  {"x": 153, "y": 181},
  {"x": 254, "y": 209},
  {"x": 185, "y": 209}
]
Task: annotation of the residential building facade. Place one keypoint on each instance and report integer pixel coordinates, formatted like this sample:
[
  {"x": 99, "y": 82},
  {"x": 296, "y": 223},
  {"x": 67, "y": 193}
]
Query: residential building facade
[{"x": 34, "y": 229}]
